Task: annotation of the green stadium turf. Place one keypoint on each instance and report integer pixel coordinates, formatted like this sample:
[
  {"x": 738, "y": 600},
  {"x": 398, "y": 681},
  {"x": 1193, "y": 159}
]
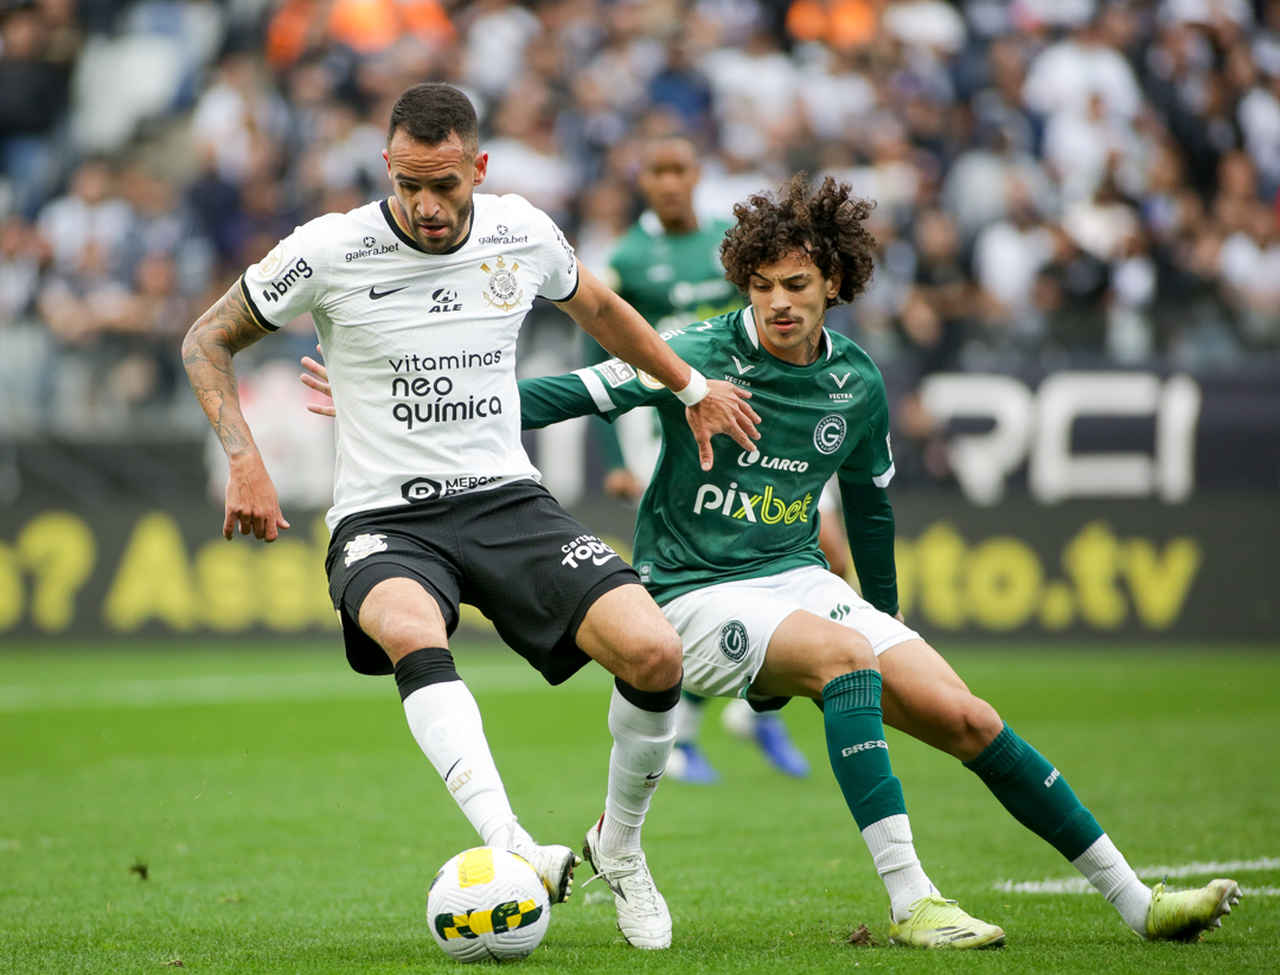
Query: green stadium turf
[{"x": 261, "y": 809}]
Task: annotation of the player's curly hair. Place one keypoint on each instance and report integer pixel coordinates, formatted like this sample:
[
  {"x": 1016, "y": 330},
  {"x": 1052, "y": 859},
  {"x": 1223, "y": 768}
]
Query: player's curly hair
[{"x": 829, "y": 223}]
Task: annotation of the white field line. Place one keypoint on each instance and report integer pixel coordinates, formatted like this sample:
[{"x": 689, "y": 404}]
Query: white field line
[
  {"x": 1209, "y": 868},
  {"x": 287, "y": 686}
]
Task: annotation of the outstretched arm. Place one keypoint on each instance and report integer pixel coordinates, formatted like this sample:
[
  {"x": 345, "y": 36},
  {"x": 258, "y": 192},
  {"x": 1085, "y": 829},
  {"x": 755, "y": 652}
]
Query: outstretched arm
[
  {"x": 620, "y": 329},
  {"x": 216, "y": 336}
]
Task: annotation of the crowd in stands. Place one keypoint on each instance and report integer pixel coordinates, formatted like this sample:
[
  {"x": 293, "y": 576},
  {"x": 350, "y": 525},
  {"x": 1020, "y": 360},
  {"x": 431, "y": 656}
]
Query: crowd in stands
[{"x": 1058, "y": 182}]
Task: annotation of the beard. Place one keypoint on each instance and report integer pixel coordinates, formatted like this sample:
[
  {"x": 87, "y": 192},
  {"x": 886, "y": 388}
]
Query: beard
[{"x": 461, "y": 227}]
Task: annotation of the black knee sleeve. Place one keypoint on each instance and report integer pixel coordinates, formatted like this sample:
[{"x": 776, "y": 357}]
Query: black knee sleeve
[
  {"x": 656, "y": 701},
  {"x": 430, "y": 665}
]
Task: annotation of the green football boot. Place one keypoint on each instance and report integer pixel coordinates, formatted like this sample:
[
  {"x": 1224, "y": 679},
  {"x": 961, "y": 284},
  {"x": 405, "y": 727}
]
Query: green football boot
[
  {"x": 936, "y": 922},
  {"x": 1183, "y": 915}
]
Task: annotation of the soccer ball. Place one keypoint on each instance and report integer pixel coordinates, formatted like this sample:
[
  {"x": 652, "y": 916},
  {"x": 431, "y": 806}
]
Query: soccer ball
[{"x": 486, "y": 904}]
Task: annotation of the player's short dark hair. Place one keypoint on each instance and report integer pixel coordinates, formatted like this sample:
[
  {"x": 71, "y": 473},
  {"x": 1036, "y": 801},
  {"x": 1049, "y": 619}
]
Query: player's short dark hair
[
  {"x": 430, "y": 111},
  {"x": 828, "y": 223}
]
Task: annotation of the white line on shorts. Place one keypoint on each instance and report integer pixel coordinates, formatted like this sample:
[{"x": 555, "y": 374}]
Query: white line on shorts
[{"x": 1208, "y": 868}]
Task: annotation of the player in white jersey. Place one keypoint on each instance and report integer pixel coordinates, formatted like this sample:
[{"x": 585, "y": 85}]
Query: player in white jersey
[{"x": 418, "y": 300}]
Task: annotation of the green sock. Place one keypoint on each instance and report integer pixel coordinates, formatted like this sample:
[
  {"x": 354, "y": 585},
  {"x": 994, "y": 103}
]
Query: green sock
[
  {"x": 859, "y": 754},
  {"x": 1036, "y": 794}
]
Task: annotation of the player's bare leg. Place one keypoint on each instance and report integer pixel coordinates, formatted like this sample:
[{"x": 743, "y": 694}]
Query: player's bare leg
[
  {"x": 924, "y": 697},
  {"x": 405, "y": 620},
  {"x": 814, "y": 657},
  {"x": 626, "y": 632}
]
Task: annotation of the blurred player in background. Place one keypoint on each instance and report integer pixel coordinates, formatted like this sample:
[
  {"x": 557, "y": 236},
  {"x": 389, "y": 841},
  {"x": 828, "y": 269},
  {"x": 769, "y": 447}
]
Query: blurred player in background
[
  {"x": 732, "y": 558},
  {"x": 668, "y": 267},
  {"x": 418, "y": 300}
]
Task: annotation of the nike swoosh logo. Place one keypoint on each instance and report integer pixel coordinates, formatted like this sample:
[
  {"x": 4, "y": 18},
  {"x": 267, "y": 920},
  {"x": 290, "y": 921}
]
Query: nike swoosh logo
[
  {"x": 655, "y": 775},
  {"x": 601, "y": 561},
  {"x": 375, "y": 294}
]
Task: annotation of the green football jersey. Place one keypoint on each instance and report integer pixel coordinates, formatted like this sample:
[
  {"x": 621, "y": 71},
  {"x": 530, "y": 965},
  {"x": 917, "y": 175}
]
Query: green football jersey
[
  {"x": 672, "y": 279},
  {"x": 755, "y": 512}
]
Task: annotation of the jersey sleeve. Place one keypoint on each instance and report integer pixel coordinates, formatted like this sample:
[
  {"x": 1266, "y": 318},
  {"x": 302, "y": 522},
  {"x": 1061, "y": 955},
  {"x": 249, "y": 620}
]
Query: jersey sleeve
[
  {"x": 288, "y": 281},
  {"x": 557, "y": 261},
  {"x": 609, "y": 389},
  {"x": 868, "y": 516},
  {"x": 871, "y": 460},
  {"x": 868, "y": 521}
]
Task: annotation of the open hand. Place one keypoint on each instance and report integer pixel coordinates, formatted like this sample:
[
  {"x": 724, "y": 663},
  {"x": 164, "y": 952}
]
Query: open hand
[
  {"x": 317, "y": 377},
  {"x": 723, "y": 410}
]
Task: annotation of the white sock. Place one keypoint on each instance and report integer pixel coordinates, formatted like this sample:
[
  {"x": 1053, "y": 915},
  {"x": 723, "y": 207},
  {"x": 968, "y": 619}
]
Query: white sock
[
  {"x": 445, "y": 721},
  {"x": 688, "y": 718},
  {"x": 1106, "y": 868},
  {"x": 893, "y": 851},
  {"x": 642, "y": 743}
]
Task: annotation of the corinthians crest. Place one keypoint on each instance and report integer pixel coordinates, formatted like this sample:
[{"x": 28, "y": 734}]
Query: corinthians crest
[{"x": 503, "y": 290}]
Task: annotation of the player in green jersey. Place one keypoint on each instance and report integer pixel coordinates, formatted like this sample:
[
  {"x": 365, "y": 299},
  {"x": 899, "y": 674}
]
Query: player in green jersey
[
  {"x": 731, "y": 556},
  {"x": 667, "y": 266}
]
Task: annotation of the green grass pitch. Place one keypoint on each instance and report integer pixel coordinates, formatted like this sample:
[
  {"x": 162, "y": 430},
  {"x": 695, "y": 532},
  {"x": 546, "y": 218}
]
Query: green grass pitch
[{"x": 261, "y": 809}]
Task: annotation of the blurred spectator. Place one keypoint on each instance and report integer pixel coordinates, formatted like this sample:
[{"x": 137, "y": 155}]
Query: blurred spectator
[
  {"x": 1065, "y": 75},
  {"x": 1007, "y": 256},
  {"x": 37, "y": 54},
  {"x": 522, "y": 151},
  {"x": 930, "y": 24},
  {"x": 90, "y": 214},
  {"x": 23, "y": 253},
  {"x": 977, "y": 188},
  {"x": 681, "y": 87}
]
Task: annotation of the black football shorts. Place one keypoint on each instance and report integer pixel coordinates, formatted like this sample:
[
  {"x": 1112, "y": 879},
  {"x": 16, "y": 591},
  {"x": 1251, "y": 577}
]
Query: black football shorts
[{"x": 512, "y": 552}]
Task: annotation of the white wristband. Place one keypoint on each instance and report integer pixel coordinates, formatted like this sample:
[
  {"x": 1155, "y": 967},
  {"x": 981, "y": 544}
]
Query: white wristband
[{"x": 694, "y": 390}]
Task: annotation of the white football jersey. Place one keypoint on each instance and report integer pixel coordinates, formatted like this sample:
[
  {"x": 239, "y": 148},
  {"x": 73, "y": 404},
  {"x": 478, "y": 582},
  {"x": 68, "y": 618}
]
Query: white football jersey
[{"x": 420, "y": 347}]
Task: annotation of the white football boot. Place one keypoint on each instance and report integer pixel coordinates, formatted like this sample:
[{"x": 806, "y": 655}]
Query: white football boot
[
  {"x": 643, "y": 917},
  {"x": 554, "y": 864}
]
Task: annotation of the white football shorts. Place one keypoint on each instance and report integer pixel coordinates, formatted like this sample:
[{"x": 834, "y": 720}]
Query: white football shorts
[{"x": 726, "y": 628}]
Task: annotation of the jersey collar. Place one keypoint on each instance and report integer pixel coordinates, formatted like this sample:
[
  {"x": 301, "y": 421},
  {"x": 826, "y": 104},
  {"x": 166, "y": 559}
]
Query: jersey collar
[
  {"x": 399, "y": 232},
  {"x": 753, "y": 334}
]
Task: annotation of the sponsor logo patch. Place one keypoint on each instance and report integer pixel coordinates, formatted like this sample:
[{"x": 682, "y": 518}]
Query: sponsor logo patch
[
  {"x": 864, "y": 746},
  {"x": 362, "y": 546},
  {"x": 828, "y": 435},
  {"x": 766, "y": 507},
  {"x": 371, "y": 248},
  {"x": 277, "y": 289},
  {"x": 502, "y": 290},
  {"x": 444, "y": 300},
  {"x": 733, "y": 640},
  {"x": 771, "y": 463},
  {"x": 420, "y": 489},
  {"x": 502, "y": 235},
  {"x": 584, "y": 549},
  {"x": 273, "y": 262},
  {"x": 616, "y": 372}
]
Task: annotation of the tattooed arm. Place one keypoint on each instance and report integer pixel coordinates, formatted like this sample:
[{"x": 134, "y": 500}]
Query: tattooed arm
[{"x": 216, "y": 336}]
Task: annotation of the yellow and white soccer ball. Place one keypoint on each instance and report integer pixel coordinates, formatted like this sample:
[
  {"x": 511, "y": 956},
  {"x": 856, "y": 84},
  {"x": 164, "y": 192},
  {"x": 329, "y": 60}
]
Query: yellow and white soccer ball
[{"x": 487, "y": 904}]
